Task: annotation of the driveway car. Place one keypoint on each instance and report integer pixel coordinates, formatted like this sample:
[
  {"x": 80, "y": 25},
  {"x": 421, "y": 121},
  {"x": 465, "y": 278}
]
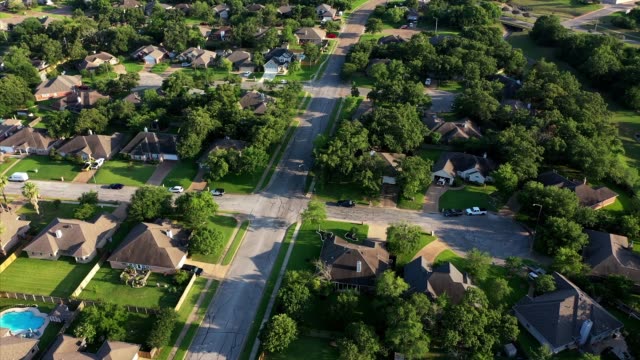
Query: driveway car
[
  {"x": 217, "y": 192},
  {"x": 116, "y": 186},
  {"x": 176, "y": 189},
  {"x": 192, "y": 269},
  {"x": 346, "y": 203},
  {"x": 472, "y": 211},
  {"x": 452, "y": 212}
]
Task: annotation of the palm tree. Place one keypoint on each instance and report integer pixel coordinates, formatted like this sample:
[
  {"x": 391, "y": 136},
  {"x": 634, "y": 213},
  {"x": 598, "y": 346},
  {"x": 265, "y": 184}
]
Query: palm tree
[
  {"x": 4, "y": 181},
  {"x": 30, "y": 191}
]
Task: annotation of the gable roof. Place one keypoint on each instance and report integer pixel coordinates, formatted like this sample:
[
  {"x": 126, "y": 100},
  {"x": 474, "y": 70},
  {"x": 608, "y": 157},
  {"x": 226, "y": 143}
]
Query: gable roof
[
  {"x": 199, "y": 57},
  {"x": 220, "y": 144},
  {"x": 254, "y": 7},
  {"x": 70, "y": 348},
  {"x": 149, "y": 244},
  {"x": 310, "y": 33},
  {"x": 279, "y": 54},
  {"x": 9, "y": 126},
  {"x": 59, "y": 84},
  {"x": 78, "y": 238},
  {"x": 27, "y": 138},
  {"x": 342, "y": 258},
  {"x": 256, "y": 101},
  {"x": 80, "y": 99},
  {"x": 443, "y": 279},
  {"x": 285, "y": 9},
  {"x": 452, "y": 130},
  {"x": 95, "y": 60},
  {"x": 98, "y": 146},
  {"x": 452, "y": 162},
  {"x": 391, "y": 39},
  {"x": 15, "y": 347},
  {"x": 12, "y": 225},
  {"x": 558, "y": 316},
  {"x": 239, "y": 56},
  {"x": 150, "y": 50},
  {"x": 610, "y": 254},
  {"x": 587, "y": 195},
  {"x": 151, "y": 143}
]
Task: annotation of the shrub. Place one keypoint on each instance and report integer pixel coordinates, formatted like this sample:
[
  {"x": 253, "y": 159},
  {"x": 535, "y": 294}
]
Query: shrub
[{"x": 162, "y": 328}]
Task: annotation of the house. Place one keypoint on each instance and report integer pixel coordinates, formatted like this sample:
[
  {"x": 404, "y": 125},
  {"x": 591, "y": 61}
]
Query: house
[
  {"x": 28, "y": 141},
  {"x": 452, "y": 131},
  {"x": 595, "y": 198},
  {"x": 469, "y": 167},
  {"x": 352, "y": 264},
  {"x": 412, "y": 15},
  {"x": 93, "y": 61},
  {"x": 13, "y": 347},
  {"x": 150, "y": 54},
  {"x": 285, "y": 10},
  {"x": 256, "y": 101},
  {"x": 278, "y": 60},
  {"x": 185, "y": 8},
  {"x": 310, "y": 34},
  {"x": 510, "y": 86},
  {"x": 9, "y": 127},
  {"x": 566, "y": 318},
  {"x": 205, "y": 31},
  {"x": 391, "y": 39},
  {"x": 241, "y": 61},
  {"x": 129, "y": 4},
  {"x": 75, "y": 238},
  {"x": 222, "y": 11},
  {"x": 326, "y": 12},
  {"x": 157, "y": 247},
  {"x": 609, "y": 254},
  {"x": 69, "y": 347},
  {"x": 40, "y": 65},
  {"x": 151, "y": 146},
  {"x": 444, "y": 279},
  {"x": 78, "y": 100},
  {"x": 222, "y": 144},
  {"x": 254, "y": 7},
  {"x": 198, "y": 57},
  {"x": 14, "y": 231},
  {"x": 58, "y": 87},
  {"x": 93, "y": 146},
  {"x": 153, "y": 4},
  {"x": 133, "y": 98},
  {"x": 223, "y": 33}
]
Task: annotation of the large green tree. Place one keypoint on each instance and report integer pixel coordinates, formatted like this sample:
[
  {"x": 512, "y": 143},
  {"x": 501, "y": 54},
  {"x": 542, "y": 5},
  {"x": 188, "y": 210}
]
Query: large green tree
[
  {"x": 279, "y": 333},
  {"x": 206, "y": 241},
  {"x": 149, "y": 203},
  {"x": 315, "y": 213},
  {"x": 403, "y": 238},
  {"x": 559, "y": 232},
  {"x": 397, "y": 128},
  {"x": 165, "y": 321},
  {"x": 415, "y": 175},
  {"x": 196, "y": 208},
  {"x": 91, "y": 119},
  {"x": 360, "y": 343},
  {"x": 14, "y": 94}
]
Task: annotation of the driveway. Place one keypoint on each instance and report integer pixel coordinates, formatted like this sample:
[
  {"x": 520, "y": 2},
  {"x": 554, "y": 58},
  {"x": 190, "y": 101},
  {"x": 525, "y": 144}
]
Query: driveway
[
  {"x": 431, "y": 251},
  {"x": 442, "y": 101},
  {"x": 162, "y": 170},
  {"x": 148, "y": 80},
  {"x": 432, "y": 198}
]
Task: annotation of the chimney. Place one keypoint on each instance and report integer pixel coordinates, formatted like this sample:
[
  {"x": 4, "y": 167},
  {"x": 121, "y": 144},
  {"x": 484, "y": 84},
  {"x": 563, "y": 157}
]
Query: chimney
[
  {"x": 359, "y": 266},
  {"x": 145, "y": 129},
  {"x": 58, "y": 234},
  {"x": 170, "y": 234},
  {"x": 90, "y": 132},
  {"x": 584, "y": 181}
]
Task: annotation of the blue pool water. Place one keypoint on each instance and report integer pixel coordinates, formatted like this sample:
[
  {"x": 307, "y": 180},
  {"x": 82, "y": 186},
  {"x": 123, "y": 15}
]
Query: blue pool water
[{"x": 20, "y": 321}]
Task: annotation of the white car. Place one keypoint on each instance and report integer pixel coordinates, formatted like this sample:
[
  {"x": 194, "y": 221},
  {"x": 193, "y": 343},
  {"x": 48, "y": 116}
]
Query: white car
[
  {"x": 97, "y": 164},
  {"x": 246, "y": 73},
  {"x": 176, "y": 189},
  {"x": 217, "y": 192},
  {"x": 476, "y": 211},
  {"x": 19, "y": 177}
]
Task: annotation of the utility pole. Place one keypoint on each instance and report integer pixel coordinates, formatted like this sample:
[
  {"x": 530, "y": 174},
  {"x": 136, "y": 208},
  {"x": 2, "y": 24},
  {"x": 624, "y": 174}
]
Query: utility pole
[{"x": 535, "y": 234}]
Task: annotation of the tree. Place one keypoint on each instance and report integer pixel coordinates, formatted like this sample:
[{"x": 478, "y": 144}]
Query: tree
[
  {"x": 555, "y": 201},
  {"x": 85, "y": 331},
  {"x": 14, "y": 94},
  {"x": 102, "y": 321},
  {"x": 346, "y": 304},
  {"x": 360, "y": 343},
  {"x": 206, "y": 241},
  {"x": 84, "y": 211},
  {"x": 90, "y": 197},
  {"x": 618, "y": 287},
  {"x": 548, "y": 31},
  {"x": 91, "y": 119},
  {"x": 315, "y": 213},
  {"x": 177, "y": 83},
  {"x": 149, "y": 203},
  {"x": 478, "y": 263},
  {"x": 294, "y": 295},
  {"x": 4, "y": 181},
  {"x": 279, "y": 333},
  {"x": 389, "y": 286},
  {"x": 519, "y": 147},
  {"x": 397, "y": 128},
  {"x": 559, "y": 232},
  {"x": 217, "y": 166},
  {"x": 403, "y": 238},
  {"x": 162, "y": 327},
  {"x": 374, "y": 25},
  {"x": 505, "y": 179},
  {"x": 514, "y": 264},
  {"x": 32, "y": 193},
  {"x": 181, "y": 277},
  {"x": 415, "y": 175},
  {"x": 500, "y": 290},
  {"x": 198, "y": 125},
  {"x": 311, "y": 52},
  {"x": 61, "y": 124},
  {"x": 568, "y": 261},
  {"x": 541, "y": 353},
  {"x": 196, "y": 208},
  {"x": 337, "y": 156},
  {"x": 545, "y": 283},
  {"x": 476, "y": 103}
]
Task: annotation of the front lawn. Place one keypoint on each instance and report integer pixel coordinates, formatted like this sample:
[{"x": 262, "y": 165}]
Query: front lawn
[
  {"x": 130, "y": 173},
  {"x": 471, "y": 195},
  {"x": 307, "y": 71},
  {"x": 226, "y": 224},
  {"x": 425, "y": 239},
  {"x": 131, "y": 66},
  {"x": 107, "y": 286},
  {"x": 415, "y": 203},
  {"x": 48, "y": 211},
  {"x": 160, "y": 68},
  {"x": 239, "y": 184},
  {"x": 182, "y": 174},
  {"x": 309, "y": 348},
  {"x": 332, "y": 192},
  {"x": 6, "y": 163},
  {"x": 450, "y": 86},
  {"x": 47, "y": 169},
  {"x": 43, "y": 277}
]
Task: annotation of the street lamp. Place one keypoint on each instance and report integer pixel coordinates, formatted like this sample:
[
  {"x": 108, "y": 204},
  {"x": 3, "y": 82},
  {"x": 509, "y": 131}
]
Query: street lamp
[{"x": 536, "y": 229}]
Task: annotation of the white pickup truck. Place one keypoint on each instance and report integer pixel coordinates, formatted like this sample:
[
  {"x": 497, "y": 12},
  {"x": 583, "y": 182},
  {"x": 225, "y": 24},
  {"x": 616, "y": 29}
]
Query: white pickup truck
[{"x": 476, "y": 211}]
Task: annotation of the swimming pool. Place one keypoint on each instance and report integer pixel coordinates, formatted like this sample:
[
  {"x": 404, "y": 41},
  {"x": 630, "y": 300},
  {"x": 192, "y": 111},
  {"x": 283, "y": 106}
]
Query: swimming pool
[{"x": 20, "y": 320}]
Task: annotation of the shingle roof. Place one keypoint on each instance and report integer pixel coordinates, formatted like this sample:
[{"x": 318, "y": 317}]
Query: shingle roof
[
  {"x": 453, "y": 130},
  {"x": 558, "y": 316},
  {"x": 12, "y": 224},
  {"x": 451, "y": 162},
  {"x": 9, "y": 126},
  {"x": 311, "y": 33},
  {"x": 391, "y": 39},
  {"x": 29, "y": 138},
  {"x": 255, "y": 101},
  {"x": 609, "y": 254},
  {"x": 199, "y": 57},
  {"x": 95, "y": 60},
  {"x": 78, "y": 238},
  {"x": 59, "y": 84},
  {"x": 149, "y": 244},
  {"x": 151, "y": 143},
  {"x": 587, "y": 195},
  {"x": 70, "y": 348},
  {"x": 239, "y": 56},
  {"x": 152, "y": 50},
  {"x": 444, "y": 279},
  {"x": 342, "y": 258},
  {"x": 99, "y": 146},
  {"x": 15, "y": 347},
  {"x": 117, "y": 350},
  {"x": 284, "y": 9}
]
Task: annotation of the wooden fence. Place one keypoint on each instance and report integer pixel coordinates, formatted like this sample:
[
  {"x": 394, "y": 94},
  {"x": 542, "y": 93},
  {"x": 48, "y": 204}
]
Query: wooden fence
[
  {"x": 11, "y": 258},
  {"x": 185, "y": 292},
  {"x": 59, "y": 300}
]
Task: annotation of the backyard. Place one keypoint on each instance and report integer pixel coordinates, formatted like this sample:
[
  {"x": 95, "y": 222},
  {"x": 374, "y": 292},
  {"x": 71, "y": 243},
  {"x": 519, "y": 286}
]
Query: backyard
[
  {"x": 43, "y": 277},
  {"x": 40, "y": 167},
  {"x": 129, "y": 173},
  {"x": 226, "y": 224},
  {"x": 239, "y": 184},
  {"x": 107, "y": 286},
  {"x": 309, "y": 348},
  {"x": 182, "y": 174},
  {"x": 471, "y": 195}
]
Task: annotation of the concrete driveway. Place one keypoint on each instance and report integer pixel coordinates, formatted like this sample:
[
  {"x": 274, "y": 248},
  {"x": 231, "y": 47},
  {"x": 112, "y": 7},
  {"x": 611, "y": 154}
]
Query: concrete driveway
[
  {"x": 442, "y": 101},
  {"x": 432, "y": 198},
  {"x": 148, "y": 80}
]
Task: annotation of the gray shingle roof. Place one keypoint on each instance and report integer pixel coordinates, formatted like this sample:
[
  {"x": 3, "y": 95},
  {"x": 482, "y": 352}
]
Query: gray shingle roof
[{"x": 609, "y": 254}]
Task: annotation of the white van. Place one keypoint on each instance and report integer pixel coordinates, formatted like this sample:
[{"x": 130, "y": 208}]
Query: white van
[{"x": 19, "y": 176}]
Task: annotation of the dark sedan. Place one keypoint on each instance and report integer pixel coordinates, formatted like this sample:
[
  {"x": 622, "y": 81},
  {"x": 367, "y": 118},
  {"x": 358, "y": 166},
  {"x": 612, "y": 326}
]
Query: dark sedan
[
  {"x": 452, "y": 212},
  {"x": 116, "y": 186},
  {"x": 346, "y": 203}
]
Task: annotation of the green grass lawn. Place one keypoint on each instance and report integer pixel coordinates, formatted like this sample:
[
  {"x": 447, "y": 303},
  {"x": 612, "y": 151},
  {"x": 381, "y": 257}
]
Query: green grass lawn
[
  {"x": 131, "y": 66},
  {"x": 6, "y": 164},
  {"x": 129, "y": 173},
  {"x": 349, "y": 106},
  {"x": 628, "y": 124},
  {"x": 425, "y": 239},
  {"x": 332, "y": 192},
  {"x": 193, "y": 329},
  {"x": 47, "y": 168},
  {"x": 430, "y": 154},
  {"x": 182, "y": 174},
  {"x": 43, "y": 277},
  {"x": 450, "y": 86},
  {"x": 562, "y": 8},
  {"x": 471, "y": 195},
  {"x": 160, "y": 68},
  {"x": 107, "y": 286},
  {"x": 239, "y": 184},
  {"x": 362, "y": 80},
  {"x": 93, "y": 79},
  {"x": 225, "y": 224},
  {"x": 210, "y": 74},
  {"x": 266, "y": 295},
  {"x": 309, "y": 348},
  {"x": 48, "y": 212},
  {"x": 414, "y": 203},
  {"x": 237, "y": 240}
]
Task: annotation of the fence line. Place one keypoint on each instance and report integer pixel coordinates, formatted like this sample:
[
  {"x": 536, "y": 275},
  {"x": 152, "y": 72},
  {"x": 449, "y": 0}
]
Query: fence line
[
  {"x": 14, "y": 256},
  {"x": 60, "y": 300},
  {"x": 185, "y": 292}
]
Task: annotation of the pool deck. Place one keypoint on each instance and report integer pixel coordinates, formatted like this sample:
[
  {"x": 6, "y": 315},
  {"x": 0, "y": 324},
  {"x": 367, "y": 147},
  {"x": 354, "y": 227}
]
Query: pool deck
[{"x": 35, "y": 312}]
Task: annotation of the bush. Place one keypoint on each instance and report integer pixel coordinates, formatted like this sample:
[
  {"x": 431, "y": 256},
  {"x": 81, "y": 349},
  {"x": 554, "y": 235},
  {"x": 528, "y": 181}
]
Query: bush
[
  {"x": 181, "y": 277},
  {"x": 162, "y": 328},
  {"x": 85, "y": 211},
  {"x": 90, "y": 197},
  {"x": 279, "y": 333}
]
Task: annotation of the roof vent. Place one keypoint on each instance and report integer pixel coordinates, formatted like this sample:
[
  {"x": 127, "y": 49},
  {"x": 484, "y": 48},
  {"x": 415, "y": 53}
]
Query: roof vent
[
  {"x": 58, "y": 234},
  {"x": 359, "y": 266},
  {"x": 170, "y": 234},
  {"x": 145, "y": 129}
]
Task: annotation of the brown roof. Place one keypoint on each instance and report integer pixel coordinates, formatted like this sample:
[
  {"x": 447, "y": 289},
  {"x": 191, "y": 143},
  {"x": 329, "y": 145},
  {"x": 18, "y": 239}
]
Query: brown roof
[
  {"x": 98, "y": 146},
  {"x": 587, "y": 195},
  {"x": 94, "y": 60},
  {"x": 255, "y": 101},
  {"x": 117, "y": 350},
  {"x": 198, "y": 57},
  {"x": 284, "y": 9},
  {"x": 445, "y": 279},
  {"x": 15, "y": 347},
  {"x": 239, "y": 56},
  {"x": 391, "y": 39},
  {"x": 77, "y": 238},
  {"x": 12, "y": 225},
  {"x": 80, "y": 99},
  {"x": 70, "y": 348},
  {"x": 610, "y": 254},
  {"x": 133, "y": 98},
  {"x": 255, "y": 7},
  {"x": 151, "y": 143},
  {"x": 343, "y": 257},
  {"x": 59, "y": 84},
  {"x": 9, "y": 126},
  {"x": 453, "y": 130},
  {"x": 311, "y": 33},
  {"x": 149, "y": 244},
  {"x": 452, "y": 162},
  {"x": 29, "y": 138},
  {"x": 154, "y": 51}
]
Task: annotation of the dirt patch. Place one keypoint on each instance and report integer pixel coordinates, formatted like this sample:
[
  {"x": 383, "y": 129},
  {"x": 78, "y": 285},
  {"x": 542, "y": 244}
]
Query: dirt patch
[{"x": 84, "y": 177}]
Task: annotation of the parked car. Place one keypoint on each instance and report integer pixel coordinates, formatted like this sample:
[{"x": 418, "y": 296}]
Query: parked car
[
  {"x": 185, "y": 64},
  {"x": 116, "y": 186},
  {"x": 246, "y": 73},
  {"x": 346, "y": 203},
  {"x": 97, "y": 164},
  {"x": 404, "y": 26},
  {"x": 19, "y": 176},
  {"x": 441, "y": 182},
  {"x": 176, "y": 189},
  {"x": 476, "y": 211},
  {"x": 452, "y": 212},
  {"x": 217, "y": 192},
  {"x": 192, "y": 269}
]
